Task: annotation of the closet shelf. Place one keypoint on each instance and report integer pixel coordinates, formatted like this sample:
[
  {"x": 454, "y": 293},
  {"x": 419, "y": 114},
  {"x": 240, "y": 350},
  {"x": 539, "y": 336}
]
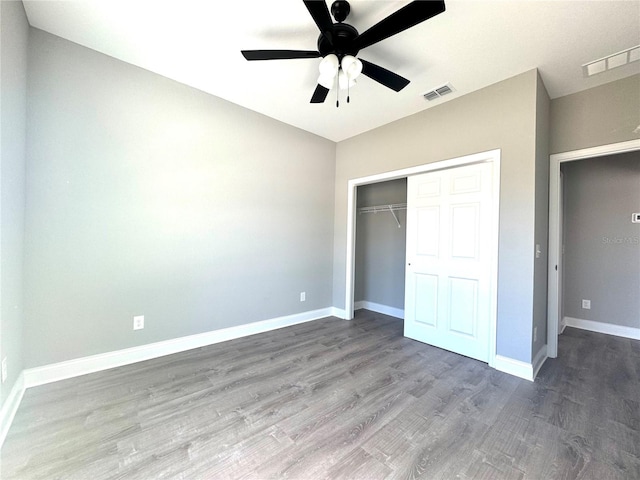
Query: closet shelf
[{"x": 385, "y": 208}]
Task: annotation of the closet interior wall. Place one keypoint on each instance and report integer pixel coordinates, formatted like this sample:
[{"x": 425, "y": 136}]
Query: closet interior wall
[{"x": 381, "y": 247}]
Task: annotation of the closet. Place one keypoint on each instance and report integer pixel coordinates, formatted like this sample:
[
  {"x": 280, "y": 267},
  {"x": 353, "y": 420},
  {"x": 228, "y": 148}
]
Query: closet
[{"x": 380, "y": 247}]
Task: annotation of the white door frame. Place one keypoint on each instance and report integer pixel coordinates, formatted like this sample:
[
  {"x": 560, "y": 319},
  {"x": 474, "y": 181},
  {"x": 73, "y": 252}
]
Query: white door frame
[
  {"x": 353, "y": 184},
  {"x": 555, "y": 251}
]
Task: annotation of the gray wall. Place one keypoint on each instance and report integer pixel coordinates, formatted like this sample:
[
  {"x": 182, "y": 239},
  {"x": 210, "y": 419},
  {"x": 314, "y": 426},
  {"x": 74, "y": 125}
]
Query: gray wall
[
  {"x": 381, "y": 245},
  {"x": 540, "y": 268},
  {"x": 602, "y": 246},
  {"x": 145, "y": 196},
  {"x": 599, "y": 116},
  {"x": 499, "y": 116},
  {"x": 14, "y": 31}
]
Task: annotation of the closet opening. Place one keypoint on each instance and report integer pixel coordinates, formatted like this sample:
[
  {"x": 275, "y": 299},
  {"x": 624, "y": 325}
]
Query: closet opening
[{"x": 380, "y": 247}]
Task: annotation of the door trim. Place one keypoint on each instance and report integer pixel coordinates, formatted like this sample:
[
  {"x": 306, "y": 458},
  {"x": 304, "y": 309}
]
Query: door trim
[
  {"x": 489, "y": 156},
  {"x": 555, "y": 252}
]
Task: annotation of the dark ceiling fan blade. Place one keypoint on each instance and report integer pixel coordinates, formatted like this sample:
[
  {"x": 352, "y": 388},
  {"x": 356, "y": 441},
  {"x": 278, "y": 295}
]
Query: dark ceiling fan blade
[
  {"x": 279, "y": 54},
  {"x": 408, "y": 16},
  {"x": 383, "y": 76},
  {"x": 320, "y": 94},
  {"x": 320, "y": 14}
]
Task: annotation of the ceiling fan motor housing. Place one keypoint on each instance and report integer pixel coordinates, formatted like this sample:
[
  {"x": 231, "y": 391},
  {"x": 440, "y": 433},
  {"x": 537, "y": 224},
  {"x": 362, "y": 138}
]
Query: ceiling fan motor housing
[{"x": 340, "y": 40}]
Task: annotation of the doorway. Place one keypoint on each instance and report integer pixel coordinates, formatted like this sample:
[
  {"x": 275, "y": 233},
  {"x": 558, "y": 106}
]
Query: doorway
[{"x": 554, "y": 314}]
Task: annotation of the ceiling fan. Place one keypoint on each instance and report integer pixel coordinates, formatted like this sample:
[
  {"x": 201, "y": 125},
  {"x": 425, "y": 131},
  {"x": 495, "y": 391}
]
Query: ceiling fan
[{"x": 339, "y": 44}]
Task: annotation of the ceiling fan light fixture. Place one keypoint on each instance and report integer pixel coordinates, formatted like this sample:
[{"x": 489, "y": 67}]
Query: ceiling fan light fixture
[
  {"x": 329, "y": 65},
  {"x": 351, "y": 66},
  {"x": 355, "y": 69},
  {"x": 326, "y": 81},
  {"x": 347, "y": 61}
]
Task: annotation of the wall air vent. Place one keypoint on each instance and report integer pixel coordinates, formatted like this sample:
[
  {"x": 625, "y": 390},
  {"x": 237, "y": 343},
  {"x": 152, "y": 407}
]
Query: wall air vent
[
  {"x": 438, "y": 92},
  {"x": 612, "y": 61}
]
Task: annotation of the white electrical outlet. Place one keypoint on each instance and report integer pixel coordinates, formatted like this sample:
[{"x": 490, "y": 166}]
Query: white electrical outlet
[
  {"x": 303, "y": 296},
  {"x": 4, "y": 369},
  {"x": 535, "y": 333},
  {"x": 138, "y": 322},
  {"x": 586, "y": 304}
]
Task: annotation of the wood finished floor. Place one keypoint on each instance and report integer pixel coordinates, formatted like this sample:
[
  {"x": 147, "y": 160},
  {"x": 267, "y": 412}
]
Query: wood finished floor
[{"x": 336, "y": 399}]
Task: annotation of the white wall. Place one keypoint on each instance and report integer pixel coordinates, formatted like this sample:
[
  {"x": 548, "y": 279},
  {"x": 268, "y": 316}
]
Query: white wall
[
  {"x": 145, "y": 196},
  {"x": 14, "y": 31}
]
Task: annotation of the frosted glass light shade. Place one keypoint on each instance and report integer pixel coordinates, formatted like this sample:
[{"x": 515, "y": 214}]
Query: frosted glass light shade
[
  {"x": 344, "y": 81},
  {"x": 354, "y": 69},
  {"x": 329, "y": 65},
  {"x": 347, "y": 61},
  {"x": 326, "y": 81}
]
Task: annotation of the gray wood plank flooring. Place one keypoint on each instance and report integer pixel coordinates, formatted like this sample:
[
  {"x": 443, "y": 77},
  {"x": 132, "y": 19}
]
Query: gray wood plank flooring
[{"x": 335, "y": 399}]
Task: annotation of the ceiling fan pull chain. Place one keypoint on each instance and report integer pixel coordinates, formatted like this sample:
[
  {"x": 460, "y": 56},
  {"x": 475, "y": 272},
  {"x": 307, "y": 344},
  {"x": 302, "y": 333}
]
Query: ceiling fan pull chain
[
  {"x": 337, "y": 90},
  {"x": 348, "y": 87}
]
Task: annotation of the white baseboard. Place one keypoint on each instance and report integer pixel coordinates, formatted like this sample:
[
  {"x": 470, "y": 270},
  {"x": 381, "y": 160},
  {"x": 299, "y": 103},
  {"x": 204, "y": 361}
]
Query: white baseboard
[
  {"x": 338, "y": 312},
  {"x": 10, "y": 407},
  {"x": 514, "y": 367},
  {"x": 379, "y": 308},
  {"x": 539, "y": 360},
  {"x": 104, "y": 361},
  {"x": 600, "y": 327},
  {"x": 563, "y": 325}
]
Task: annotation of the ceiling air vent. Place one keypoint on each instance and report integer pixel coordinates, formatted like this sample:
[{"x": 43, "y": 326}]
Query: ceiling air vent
[
  {"x": 438, "y": 92},
  {"x": 612, "y": 61}
]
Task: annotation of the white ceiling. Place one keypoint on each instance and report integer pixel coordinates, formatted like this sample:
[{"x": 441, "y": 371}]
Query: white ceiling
[{"x": 473, "y": 44}]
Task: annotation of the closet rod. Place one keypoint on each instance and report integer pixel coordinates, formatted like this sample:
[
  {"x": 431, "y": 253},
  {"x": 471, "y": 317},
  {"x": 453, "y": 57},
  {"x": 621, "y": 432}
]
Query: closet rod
[{"x": 385, "y": 208}]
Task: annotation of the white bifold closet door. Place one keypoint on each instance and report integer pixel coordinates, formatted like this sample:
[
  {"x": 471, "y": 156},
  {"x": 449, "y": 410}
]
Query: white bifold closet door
[{"x": 449, "y": 255}]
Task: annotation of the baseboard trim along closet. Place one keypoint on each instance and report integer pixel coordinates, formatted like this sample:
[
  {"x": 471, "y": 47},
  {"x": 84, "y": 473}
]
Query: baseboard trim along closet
[
  {"x": 104, "y": 361},
  {"x": 10, "y": 407},
  {"x": 600, "y": 327},
  {"x": 539, "y": 360},
  {"x": 339, "y": 313},
  {"x": 379, "y": 308},
  {"x": 513, "y": 367}
]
